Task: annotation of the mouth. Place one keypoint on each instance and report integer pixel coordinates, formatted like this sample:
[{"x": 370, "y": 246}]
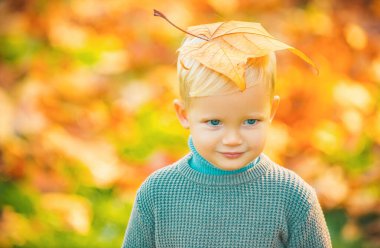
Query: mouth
[{"x": 232, "y": 154}]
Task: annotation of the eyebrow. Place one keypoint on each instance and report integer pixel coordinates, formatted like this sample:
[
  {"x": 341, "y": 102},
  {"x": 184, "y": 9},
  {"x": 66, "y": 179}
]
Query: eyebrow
[
  {"x": 256, "y": 116},
  {"x": 209, "y": 117},
  {"x": 217, "y": 117}
]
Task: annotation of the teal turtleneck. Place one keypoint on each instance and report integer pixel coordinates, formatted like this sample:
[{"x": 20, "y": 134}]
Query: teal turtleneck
[{"x": 200, "y": 164}]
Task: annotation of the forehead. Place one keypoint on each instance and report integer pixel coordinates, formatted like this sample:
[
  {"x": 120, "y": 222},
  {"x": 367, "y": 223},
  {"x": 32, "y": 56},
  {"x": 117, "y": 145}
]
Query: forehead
[{"x": 255, "y": 99}]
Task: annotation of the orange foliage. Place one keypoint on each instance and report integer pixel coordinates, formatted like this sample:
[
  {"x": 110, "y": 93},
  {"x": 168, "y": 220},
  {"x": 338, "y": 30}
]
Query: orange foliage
[{"x": 86, "y": 90}]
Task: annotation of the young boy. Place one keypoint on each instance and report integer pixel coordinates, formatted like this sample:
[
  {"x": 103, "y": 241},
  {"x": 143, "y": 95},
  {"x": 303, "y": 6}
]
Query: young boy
[{"x": 226, "y": 192}]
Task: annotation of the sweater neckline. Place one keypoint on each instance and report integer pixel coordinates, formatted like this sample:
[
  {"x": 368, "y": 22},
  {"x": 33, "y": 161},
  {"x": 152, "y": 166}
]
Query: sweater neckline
[{"x": 251, "y": 174}]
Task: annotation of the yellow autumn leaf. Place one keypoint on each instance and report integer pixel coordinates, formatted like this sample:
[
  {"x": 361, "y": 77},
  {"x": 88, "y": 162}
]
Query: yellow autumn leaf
[{"x": 225, "y": 47}]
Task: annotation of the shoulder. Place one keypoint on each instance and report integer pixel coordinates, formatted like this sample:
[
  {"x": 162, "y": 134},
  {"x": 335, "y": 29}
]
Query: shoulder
[
  {"x": 154, "y": 185},
  {"x": 297, "y": 197},
  {"x": 160, "y": 179},
  {"x": 290, "y": 185}
]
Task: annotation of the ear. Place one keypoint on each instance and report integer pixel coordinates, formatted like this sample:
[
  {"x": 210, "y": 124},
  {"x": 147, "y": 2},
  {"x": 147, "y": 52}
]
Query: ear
[
  {"x": 275, "y": 103},
  {"x": 181, "y": 113}
]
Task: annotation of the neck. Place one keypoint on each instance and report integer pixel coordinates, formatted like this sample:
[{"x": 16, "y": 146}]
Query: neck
[{"x": 200, "y": 164}]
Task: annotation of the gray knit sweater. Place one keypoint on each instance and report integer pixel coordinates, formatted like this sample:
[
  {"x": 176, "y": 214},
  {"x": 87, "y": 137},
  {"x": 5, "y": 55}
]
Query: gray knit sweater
[{"x": 265, "y": 206}]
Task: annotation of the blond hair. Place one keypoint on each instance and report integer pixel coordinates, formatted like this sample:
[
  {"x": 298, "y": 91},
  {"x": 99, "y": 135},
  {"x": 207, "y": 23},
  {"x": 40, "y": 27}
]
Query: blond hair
[{"x": 196, "y": 80}]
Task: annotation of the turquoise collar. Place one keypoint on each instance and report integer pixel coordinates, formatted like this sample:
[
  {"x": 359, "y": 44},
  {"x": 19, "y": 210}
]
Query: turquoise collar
[{"x": 200, "y": 164}]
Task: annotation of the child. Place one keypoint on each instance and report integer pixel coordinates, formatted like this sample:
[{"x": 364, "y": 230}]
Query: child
[{"x": 226, "y": 192}]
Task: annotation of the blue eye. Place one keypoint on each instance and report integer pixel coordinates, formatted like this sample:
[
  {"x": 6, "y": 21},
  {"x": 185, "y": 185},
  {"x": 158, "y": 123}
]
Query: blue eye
[
  {"x": 213, "y": 122},
  {"x": 250, "y": 122}
]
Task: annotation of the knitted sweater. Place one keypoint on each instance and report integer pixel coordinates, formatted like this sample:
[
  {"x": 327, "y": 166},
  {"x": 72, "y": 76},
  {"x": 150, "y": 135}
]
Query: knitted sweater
[{"x": 265, "y": 206}]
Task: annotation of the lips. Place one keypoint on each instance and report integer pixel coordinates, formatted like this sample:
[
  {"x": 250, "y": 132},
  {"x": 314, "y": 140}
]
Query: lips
[{"x": 232, "y": 154}]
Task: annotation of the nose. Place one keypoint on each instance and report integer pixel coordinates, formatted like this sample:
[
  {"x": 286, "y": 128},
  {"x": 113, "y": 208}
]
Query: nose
[{"x": 232, "y": 138}]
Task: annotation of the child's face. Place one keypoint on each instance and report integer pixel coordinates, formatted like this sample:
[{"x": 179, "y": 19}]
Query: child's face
[{"x": 230, "y": 130}]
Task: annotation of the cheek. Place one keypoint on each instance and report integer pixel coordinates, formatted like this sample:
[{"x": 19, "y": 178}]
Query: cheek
[
  {"x": 204, "y": 140},
  {"x": 257, "y": 137},
  {"x": 203, "y": 145}
]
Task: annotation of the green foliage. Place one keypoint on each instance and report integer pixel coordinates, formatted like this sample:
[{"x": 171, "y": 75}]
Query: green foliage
[
  {"x": 86, "y": 91},
  {"x": 13, "y": 194}
]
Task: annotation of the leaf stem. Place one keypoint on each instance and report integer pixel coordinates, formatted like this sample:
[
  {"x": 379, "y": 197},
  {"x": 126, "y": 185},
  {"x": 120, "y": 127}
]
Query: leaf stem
[{"x": 158, "y": 13}]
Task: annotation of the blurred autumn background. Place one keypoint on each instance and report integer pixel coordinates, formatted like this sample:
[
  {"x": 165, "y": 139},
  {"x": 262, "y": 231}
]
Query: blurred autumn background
[{"x": 86, "y": 90}]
